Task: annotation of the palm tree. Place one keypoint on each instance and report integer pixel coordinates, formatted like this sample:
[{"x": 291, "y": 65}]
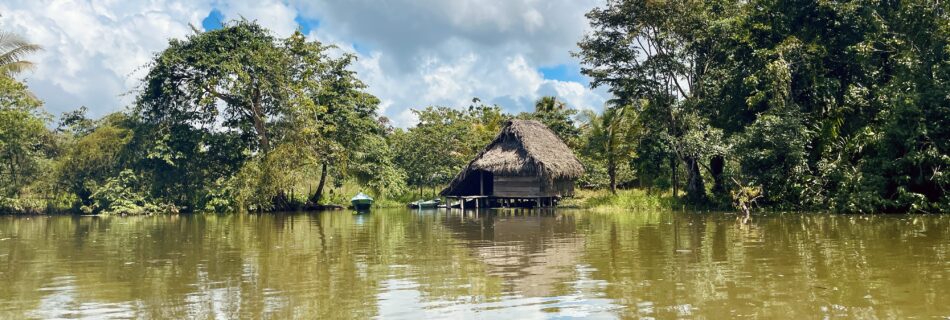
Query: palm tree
[
  {"x": 612, "y": 136},
  {"x": 619, "y": 126},
  {"x": 549, "y": 104},
  {"x": 12, "y": 50}
]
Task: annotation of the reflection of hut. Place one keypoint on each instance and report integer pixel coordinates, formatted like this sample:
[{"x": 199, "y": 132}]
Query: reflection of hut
[
  {"x": 535, "y": 254},
  {"x": 526, "y": 163}
]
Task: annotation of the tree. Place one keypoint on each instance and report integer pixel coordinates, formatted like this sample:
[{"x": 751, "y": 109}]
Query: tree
[
  {"x": 373, "y": 165},
  {"x": 458, "y": 134},
  {"x": 611, "y": 139},
  {"x": 75, "y": 123},
  {"x": 95, "y": 153},
  {"x": 12, "y": 50},
  {"x": 819, "y": 103},
  {"x": 238, "y": 103},
  {"x": 659, "y": 51},
  {"x": 23, "y": 135},
  {"x": 549, "y": 104},
  {"x": 556, "y": 115},
  {"x": 237, "y": 75},
  {"x": 332, "y": 117}
]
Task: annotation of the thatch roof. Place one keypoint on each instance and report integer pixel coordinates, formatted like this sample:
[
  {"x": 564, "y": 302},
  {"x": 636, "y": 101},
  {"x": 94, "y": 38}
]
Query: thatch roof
[{"x": 524, "y": 147}]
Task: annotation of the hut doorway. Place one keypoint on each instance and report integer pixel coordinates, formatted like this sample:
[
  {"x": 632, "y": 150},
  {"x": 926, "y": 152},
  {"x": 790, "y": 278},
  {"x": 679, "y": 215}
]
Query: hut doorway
[{"x": 486, "y": 183}]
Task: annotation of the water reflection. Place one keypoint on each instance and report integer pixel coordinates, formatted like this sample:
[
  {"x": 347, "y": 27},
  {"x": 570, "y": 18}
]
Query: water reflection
[{"x": 510, "y": 264}]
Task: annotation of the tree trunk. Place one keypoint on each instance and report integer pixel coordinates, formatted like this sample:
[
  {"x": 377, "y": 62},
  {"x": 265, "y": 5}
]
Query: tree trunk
[
  {"x": 695, "y": 188},
  {"x": 716, "y": 167},
  {"x": 257, "y": 117},
  {"x": 15, "y": 171},
  {"x": 674, "y": 164},
  {"x": 612, "y": 174},
  {"x": 640, "y": 176},
  {"x": 318, "y": 195}
]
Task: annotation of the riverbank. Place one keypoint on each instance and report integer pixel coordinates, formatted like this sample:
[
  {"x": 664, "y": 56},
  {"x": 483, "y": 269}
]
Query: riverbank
[
  {"x": 591, "y": 199},
  {"x": 598, "y": 200},
  {"x": 632, "y": 199}
]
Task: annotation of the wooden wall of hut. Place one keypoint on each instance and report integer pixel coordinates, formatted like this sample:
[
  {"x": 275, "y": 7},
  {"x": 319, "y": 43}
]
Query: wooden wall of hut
[
  {"x": 530, "y": 187},
  {"x": 518, "y": 186}
]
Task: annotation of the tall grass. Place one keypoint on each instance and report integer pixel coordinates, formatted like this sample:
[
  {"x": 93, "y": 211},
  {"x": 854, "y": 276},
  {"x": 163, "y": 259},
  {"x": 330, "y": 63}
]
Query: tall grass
[{"x": 632, "y": 199}]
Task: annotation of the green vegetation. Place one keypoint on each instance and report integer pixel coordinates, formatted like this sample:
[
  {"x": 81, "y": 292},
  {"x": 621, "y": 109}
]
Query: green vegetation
[
  {"x": 444, "y": 140},
  {"x": 797, "y": 105},
  {"x": 24, "y": 152},
  {"x": 13, "y": 48},
  {"x": 621, "y": 200},
  {"x": 822, "y": 104}
]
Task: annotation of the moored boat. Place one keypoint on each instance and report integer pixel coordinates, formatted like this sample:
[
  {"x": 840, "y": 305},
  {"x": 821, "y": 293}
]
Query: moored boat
[
  {"x": 421, "y": 204},
  {"x": 361, "y": 202}
]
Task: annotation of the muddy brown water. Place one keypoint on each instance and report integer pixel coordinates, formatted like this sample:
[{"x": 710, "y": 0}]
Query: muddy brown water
[{"x": 405, "y": 264}]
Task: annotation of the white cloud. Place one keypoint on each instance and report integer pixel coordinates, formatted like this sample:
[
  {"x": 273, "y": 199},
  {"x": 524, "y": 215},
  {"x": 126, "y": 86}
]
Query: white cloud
[
  {"x": 434, "y": 52},
  {"x": 533, "y": 20},
  {"x": 412, "y": 53},
  {"x": 94, "y": 49}
]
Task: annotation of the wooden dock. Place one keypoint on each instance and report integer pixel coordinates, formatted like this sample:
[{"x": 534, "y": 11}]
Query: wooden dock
[{"x": 484, "y": 201}]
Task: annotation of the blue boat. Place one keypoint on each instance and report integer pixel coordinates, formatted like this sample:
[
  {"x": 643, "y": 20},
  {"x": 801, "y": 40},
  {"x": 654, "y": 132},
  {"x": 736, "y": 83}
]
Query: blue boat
[{"x": 361, "y": 202}]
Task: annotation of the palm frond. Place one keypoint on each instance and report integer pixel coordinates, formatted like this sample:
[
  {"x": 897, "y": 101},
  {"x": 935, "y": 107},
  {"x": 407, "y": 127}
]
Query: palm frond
[
  {"x": 13, "y": 49},
  {"x": 15, "y": 67}
]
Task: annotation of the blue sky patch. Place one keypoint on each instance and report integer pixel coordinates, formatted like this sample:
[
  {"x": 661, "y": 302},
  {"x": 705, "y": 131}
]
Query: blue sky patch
[
  {"x": 306, "y": 24},
  {"x": 563, "y": 72},
  {"x": 213, "y": 21},
  {"x": 361, "y": 48}
]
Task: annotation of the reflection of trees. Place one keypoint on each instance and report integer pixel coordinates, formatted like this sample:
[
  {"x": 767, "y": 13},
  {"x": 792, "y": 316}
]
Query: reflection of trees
[
  {"x": 181, "y": 267},
  {"x": 792, "y": 265},
  {"x": 336, "y": 264},
  {"x": 283, "y": 266},
  {"x": 430, "y": 256}
]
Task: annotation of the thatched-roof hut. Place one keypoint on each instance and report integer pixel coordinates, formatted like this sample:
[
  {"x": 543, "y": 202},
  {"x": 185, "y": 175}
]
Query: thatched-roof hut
[{"x": 525, "y": 161}]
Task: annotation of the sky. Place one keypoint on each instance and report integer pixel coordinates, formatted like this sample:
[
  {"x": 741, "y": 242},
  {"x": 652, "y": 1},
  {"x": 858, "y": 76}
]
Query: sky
[{"x": 412, "y": 54}]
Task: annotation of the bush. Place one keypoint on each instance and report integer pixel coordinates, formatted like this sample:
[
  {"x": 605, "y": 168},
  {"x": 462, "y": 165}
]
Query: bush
[
  {"x": 123, "y": 195},
  {"x": 10, "y": 205}
]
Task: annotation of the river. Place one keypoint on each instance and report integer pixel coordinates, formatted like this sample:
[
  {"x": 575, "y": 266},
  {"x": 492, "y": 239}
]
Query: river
[{"x": 403, "y": 264}]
